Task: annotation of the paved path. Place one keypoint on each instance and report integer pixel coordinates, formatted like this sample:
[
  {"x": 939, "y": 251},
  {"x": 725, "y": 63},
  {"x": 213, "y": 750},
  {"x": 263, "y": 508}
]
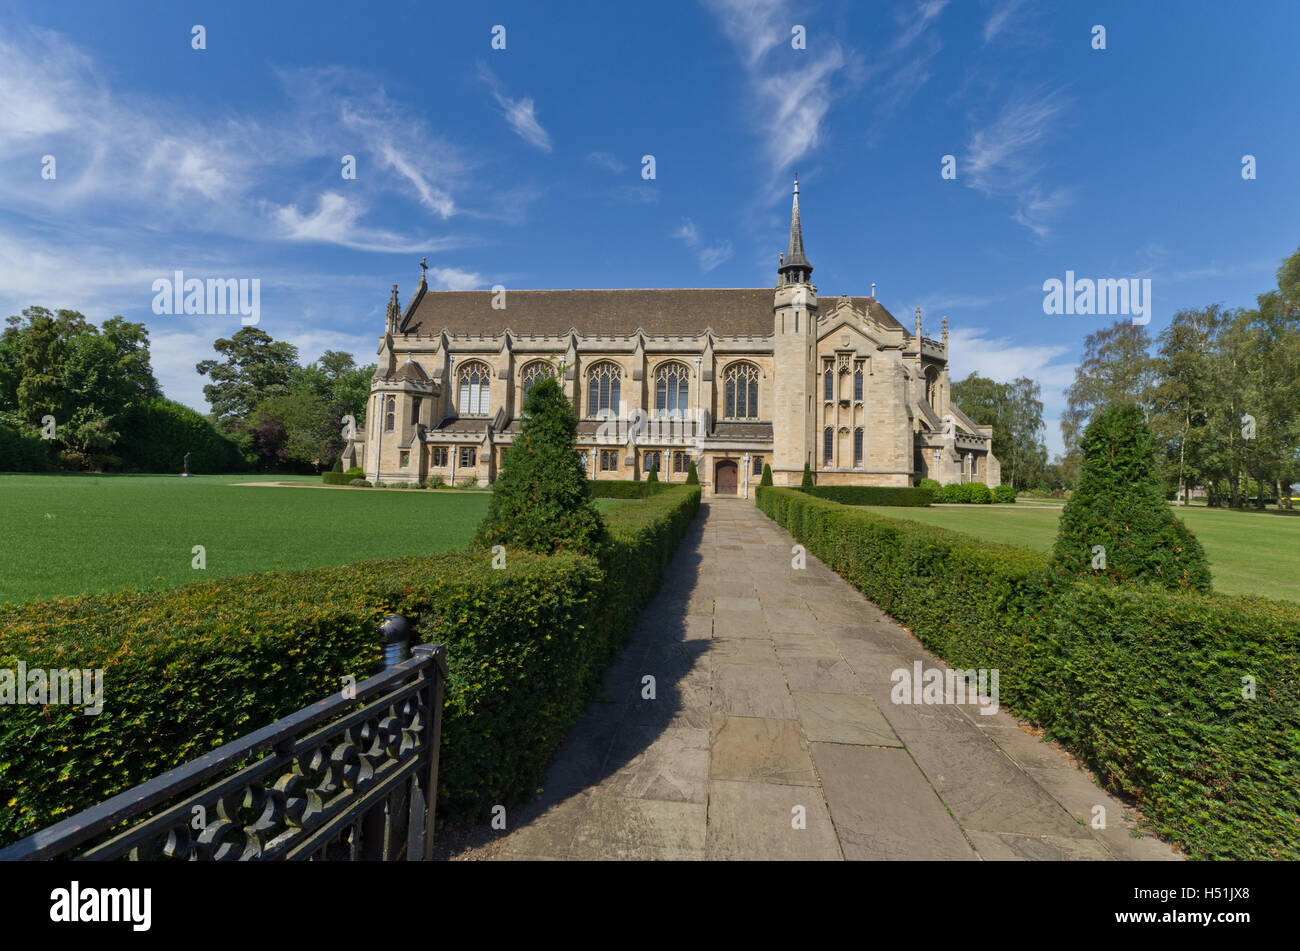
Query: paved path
[{"x": 772, "y": 704}]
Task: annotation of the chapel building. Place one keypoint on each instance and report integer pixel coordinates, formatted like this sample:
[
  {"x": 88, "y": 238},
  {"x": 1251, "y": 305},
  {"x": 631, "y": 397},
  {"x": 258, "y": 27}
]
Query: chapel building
[{"x": 732, "y": 378}]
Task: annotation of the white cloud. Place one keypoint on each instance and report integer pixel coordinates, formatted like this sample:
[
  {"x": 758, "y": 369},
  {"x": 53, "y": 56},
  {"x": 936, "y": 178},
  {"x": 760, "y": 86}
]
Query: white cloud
[
  {"x": 1002, "y": 158},
  {"x": 520, "y": 114},
  {"x": 605, "y": 160},
  {"x": 708, "y": 256},
  {"x": 335, "y": 221},
  {"x": 1000, "y": 17}
]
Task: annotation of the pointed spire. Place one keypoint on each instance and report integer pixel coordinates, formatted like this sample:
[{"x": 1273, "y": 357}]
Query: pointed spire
[
  {"x": 394, "y": 313},
  {"x": 795, "y": 268}
]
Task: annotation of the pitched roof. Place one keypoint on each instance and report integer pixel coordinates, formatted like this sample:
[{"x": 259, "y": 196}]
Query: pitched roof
[{"x": 729, "y": 311}]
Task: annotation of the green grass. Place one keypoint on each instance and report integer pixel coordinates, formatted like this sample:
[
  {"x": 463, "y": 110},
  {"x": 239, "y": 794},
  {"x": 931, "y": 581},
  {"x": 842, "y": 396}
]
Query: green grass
[
  {"x": 1250, "y": 552},
  {"x": 71, "y": 534}
]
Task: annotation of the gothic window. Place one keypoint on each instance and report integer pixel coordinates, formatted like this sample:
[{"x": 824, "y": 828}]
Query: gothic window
[
  {"x": 679, "y": 462},
  {"x": 474, "y": 383},
  {"x": 828, "y": 444},
  {"x": 741, "y": 391},
  {"x": 828, "y": 376},
  {"x": 439, "y": 457},
  {"x": 758, "y": 465},
  {"x": 931, "y": 386},
  {"x": 609, "y": 460},
  {"x": 652, "y": 461},
  {"x": 390, "y": 414},
  {"x": 602, "y": 389},
  {"x": 857, "y": 383},
  {"x": 537, "y": 370},
  {"x": 468, "y": 456},
  {"x": 415, "y": 410},
  {"x": 672, "y": 389},
  {"x": 857, "y": 446}
]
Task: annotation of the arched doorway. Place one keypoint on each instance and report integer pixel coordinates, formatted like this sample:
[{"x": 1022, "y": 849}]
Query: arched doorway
[{"x": 724, "y": 478}]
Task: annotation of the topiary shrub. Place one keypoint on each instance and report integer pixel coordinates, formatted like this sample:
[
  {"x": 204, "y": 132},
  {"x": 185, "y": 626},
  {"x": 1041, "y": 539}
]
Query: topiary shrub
[
  {"x": 541, "y": 501},
  {"x": 692, "y": 477},
  {"x": 652, "y": 476},
  {"x": 807, "y": 482},
  {"x": 360, "y": 483},
  {"x": 338, "y": 464},
  {"x": 767, "y": 475},
  {"x": 1118, "y": 519},
  {"x": 1004, "y": 493},
  {"x": 356, "y": 472}
]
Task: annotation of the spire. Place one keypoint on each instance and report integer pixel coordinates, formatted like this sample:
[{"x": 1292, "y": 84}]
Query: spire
[
  {"x": 394, "y": 313},
  {"x": 795, "y": 268}
]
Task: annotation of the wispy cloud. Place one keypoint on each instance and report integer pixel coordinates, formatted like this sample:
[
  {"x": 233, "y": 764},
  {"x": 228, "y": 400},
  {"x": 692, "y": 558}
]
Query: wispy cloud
[
  {"x": 335, "y": 221},
  {"x": 1002, "y": 158},
  {"x": 708, "y": 255},
  {"x": 606, "y": 161},
  {"x": 999, "y": 19},
  {"x": 520, "y": 114},
  {"x": 791, "y": 94}
]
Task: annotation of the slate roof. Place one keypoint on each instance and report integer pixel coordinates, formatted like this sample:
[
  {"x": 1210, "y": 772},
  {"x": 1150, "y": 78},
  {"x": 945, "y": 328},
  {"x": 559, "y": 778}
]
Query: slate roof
[
  {"x": 729, "y": 311},
  {"x": 725, "y": 430}
]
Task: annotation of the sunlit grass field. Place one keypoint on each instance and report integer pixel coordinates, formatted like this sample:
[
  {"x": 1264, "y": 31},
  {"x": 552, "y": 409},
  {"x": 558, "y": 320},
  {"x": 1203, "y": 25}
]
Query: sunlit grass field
[
  {"x": 1250, "y": 552},
  {"x": 70, "y": 534}
]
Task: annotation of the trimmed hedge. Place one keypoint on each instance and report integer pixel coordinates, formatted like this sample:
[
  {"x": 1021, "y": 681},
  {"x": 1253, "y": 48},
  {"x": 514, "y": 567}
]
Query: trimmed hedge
[
  {"x": 973, "y": 492},
  {"x": 1145, "y": 685},
  {"x": 871, "y": 494},
  {"x": 342, "y": 478},
  {"x": 20, "y": 451},
  {"x": 625, "y": 488},
  {"x": 190, "y": 668}
]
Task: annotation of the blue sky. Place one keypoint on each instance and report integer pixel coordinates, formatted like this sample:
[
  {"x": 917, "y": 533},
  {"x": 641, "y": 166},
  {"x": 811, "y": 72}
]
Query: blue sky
[{"x": 523, "y": 166}]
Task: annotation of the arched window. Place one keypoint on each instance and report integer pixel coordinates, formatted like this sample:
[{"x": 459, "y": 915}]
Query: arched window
[
  {"x": 415, "y": 411},
  {"x": 857, "y": 446},
  {"x": 857, "y": 383},
  {"x": 672, "y": 389},
  {"x": 828, "y": 444},
  {"x": 390, "y": 414},
  {"x": 829, "y": 376},
  {"x": 474, "y": 384},
  {"x": 741, "y": 391},
  {"x": 602, "y": 389},
  {"x": 537, "y": 370}
]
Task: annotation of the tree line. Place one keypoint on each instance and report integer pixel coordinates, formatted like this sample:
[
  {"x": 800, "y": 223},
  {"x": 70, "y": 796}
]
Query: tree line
[{"x": 75, "y": 396}]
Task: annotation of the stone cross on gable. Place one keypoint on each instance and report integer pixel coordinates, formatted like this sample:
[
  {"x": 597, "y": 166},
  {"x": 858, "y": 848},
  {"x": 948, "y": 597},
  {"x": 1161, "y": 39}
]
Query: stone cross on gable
[{"x": 424, "y": 266}]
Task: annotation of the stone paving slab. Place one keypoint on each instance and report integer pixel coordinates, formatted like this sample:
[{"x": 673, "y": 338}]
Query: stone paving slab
[{"x": 773, "y": 734}]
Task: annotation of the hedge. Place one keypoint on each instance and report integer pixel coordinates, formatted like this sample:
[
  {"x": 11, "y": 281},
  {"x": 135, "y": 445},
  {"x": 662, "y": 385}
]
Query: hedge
[
  {"x": 1004, "y": 493},
  {"x": 342, "y": 478},
  {"x": 625, "y": 488},
  {"x": 871, "y": 494},
  {"x": 193, "y": 667},
  {"x": 976, "y": 492},
  {"x": 20, "y": 451},
  {"x": 1144, "y": 685}
]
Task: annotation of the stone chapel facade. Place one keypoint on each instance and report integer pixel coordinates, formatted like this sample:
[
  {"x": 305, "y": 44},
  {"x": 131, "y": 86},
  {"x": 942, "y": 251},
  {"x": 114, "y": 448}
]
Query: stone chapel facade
[{"x": 731, "y": 378}]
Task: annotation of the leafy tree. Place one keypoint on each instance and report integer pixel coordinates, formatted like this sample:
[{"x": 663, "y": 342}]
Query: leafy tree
[
  {"x": 254, "y": 368},
  {"x": 541, "y": 500},
  {"x": 310, "y": 427},
  {"x": 1116, "y": 368},
  {"x": 1015, "y": 411},
  {"x": 1119, "y": 505}
]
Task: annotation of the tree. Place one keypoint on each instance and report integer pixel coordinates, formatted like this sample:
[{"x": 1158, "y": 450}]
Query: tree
[
  {"x": 807, "y": 481},
  {"x": 1117, "y": 523},
  {"x": 1116, "y": 368},
  {"x": 767, "y": 475},
  {"x": 541, "y": 500},
  {"x": 254, "y": 368},
  {"x": 692, "y": 477},
  {"x": 1015, "y": 411},
  {"x": 310, "y": 427}
]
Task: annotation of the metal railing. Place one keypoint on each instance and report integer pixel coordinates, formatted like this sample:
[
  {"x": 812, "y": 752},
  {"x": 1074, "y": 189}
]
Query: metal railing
[{"x": 353, "y": 777}]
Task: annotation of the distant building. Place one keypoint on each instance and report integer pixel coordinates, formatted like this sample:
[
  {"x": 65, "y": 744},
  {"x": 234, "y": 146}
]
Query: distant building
[{"x": 730, "y": 377}]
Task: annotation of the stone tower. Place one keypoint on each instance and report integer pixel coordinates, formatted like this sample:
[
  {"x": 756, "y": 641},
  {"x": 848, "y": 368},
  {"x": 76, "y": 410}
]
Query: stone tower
[{"x": 794, "y": 338}]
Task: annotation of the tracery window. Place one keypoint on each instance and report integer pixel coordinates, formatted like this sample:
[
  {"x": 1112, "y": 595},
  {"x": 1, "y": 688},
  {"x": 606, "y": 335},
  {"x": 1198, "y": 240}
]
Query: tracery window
[
  {"x": 741, "y": 391},
  {"x": 828, "y": 376},
  {"x": 857, "y": 382},
  {"x": 672, "y": 389},
  {"x": 857, "y": 446},
  {"x": 602, "y": 389},
  {"x": 828, "y": 444},
  {"x": 390, "y": 414},
  {"x": 474, "y": 384},
  {"x": 537, "y": 370}
]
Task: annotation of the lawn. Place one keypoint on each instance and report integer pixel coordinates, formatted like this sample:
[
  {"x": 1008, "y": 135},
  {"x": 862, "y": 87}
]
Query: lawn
[
  {"x": 1250, "y": 552},
  {"x": 69, "y": 534}
]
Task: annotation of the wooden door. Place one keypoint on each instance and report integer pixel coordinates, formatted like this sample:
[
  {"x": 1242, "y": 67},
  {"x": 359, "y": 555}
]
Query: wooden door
[{"x": 724, "y": 478}]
